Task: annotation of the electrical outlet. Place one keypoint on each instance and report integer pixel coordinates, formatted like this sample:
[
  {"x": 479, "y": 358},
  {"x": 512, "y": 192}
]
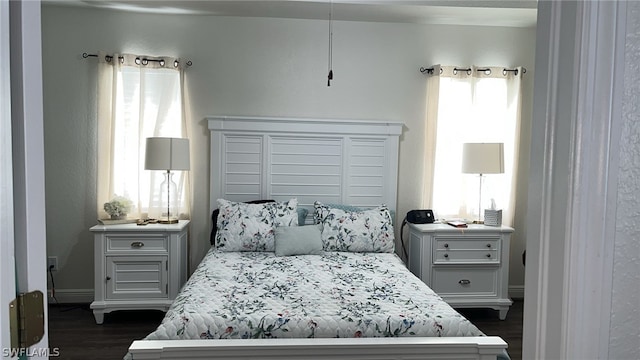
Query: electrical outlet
[{"x": 52, "y": 263}]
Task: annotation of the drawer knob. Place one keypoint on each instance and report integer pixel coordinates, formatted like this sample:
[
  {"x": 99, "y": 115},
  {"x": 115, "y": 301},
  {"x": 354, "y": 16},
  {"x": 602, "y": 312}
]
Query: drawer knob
[
  {"x": 464, "y": 282},
  {"x": 488, "y": 245},
  {"x": 446, "y": 245},
  {"x": 108, "y": 278},
  {"x": 488, "y": 255},
  {"x": 137, "y": 244},
  {"x": 446, "y": 256}
]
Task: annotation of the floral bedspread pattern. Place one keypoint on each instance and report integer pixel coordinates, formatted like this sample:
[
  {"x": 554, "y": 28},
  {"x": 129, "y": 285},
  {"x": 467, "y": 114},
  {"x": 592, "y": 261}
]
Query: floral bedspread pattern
[{"x": 240, "y": 295}]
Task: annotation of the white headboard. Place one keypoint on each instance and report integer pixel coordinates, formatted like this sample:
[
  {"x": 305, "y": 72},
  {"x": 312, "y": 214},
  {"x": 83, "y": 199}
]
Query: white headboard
[{"x": 350, "y": 162}]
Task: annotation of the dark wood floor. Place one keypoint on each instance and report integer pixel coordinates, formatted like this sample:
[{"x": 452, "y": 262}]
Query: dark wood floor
[
  {"x": 73, "y": 330},
  {"x": 510, "y": 329}
]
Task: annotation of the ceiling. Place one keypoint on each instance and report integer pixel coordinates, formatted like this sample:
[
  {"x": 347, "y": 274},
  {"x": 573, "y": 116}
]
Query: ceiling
[{"x": 511, "y": 13}]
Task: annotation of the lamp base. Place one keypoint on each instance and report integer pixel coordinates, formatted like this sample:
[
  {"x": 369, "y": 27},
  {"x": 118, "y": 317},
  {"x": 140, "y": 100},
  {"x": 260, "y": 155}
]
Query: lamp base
[{"x": 172, "y": 221}]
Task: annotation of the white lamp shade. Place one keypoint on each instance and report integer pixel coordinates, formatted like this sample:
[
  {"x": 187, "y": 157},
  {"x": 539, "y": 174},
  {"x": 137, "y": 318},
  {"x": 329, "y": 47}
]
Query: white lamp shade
[
  {"x": 167, "y": 154},
  {"x": 483, "y": 158}
]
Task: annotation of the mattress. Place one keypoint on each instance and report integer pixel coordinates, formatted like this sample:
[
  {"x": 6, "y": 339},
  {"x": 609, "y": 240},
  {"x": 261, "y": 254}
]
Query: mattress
[{"x": 243, "y": 295}]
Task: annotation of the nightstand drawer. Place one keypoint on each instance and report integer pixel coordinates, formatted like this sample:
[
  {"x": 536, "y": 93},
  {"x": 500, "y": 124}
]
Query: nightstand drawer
[
  {"x": 466, "y": 256},
  {"x": 482, "y": 251},
  {"x": 137, "y": 244},
  {"x": 462, "y": 281},
  {"x": 447, "y": 243}
]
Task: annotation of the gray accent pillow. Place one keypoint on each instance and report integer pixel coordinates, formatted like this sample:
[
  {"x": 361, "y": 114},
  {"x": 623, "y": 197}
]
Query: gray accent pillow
[{"x": 298, "y": 240}]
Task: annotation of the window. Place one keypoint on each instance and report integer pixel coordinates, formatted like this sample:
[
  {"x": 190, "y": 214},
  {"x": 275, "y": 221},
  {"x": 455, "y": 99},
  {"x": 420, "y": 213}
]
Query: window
[
  {"x": 135, "y": 102},
  {"x": 471, "y": 106}
]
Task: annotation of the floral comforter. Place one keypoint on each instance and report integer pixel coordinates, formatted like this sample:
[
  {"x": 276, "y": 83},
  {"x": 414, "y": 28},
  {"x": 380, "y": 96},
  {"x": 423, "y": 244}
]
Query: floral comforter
[{"x": 259, "y": 295}]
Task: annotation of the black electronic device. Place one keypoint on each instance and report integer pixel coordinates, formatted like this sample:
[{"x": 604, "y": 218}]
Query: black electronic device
[
  {"x": 420, "y": 217},
  {"x": 415, "y": 217}
]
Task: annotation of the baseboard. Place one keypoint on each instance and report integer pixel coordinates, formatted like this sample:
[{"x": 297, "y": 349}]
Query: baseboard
[
  {"x": 516, "y": 292},
  {"x": 71, "y": 296}
]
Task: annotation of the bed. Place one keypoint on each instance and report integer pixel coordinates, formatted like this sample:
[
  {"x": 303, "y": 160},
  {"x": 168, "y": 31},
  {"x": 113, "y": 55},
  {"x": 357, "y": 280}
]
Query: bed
[{"x": 291, "y": 282}]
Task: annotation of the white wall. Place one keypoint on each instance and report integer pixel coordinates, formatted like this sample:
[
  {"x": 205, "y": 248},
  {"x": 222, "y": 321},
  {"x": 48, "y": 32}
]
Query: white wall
[
  {"x": 625, "y": 300},
  {"x": 251, "y": 66}
]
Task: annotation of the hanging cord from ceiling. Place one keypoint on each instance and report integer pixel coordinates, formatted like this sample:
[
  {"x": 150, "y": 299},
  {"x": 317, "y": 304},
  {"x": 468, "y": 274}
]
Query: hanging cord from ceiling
[{"x": 330, "y": 76}]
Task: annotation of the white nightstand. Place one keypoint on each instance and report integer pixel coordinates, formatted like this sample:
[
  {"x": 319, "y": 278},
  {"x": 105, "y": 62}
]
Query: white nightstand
[
  {"x": 138, "y": 267},
  {"x": 467, "y": 267}
]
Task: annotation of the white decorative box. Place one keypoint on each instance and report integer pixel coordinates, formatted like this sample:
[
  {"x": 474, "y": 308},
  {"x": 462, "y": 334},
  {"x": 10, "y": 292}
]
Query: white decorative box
[{"x": 492, "y": 217}]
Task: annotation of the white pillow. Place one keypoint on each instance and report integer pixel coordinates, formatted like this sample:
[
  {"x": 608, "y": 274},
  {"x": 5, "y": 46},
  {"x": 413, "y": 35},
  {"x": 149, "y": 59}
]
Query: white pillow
[
  {"x": 250, "y": 227},
  {"x": 286, "y": 213},
  {"x": 355, "y": 231}
]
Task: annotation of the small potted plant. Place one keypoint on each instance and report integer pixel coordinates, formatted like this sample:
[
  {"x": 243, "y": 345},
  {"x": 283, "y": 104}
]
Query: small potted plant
[{"x": 118, "y": 207}]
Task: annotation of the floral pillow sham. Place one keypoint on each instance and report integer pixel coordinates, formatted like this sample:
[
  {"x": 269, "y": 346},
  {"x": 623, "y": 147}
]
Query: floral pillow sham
[
  {"x": 286, "y": 213},
  {"x": 251, "y": 227},
  {"x": 355, "y": 231}
]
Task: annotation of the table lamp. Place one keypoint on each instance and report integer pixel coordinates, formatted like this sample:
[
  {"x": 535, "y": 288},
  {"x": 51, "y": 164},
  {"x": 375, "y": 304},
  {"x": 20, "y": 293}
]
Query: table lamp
[
  {"x": 482, "y": 158},
  {"x": 167, "y": 154}
]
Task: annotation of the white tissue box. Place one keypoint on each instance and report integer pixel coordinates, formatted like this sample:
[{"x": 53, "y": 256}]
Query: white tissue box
[{"x": 492, "y": 217}]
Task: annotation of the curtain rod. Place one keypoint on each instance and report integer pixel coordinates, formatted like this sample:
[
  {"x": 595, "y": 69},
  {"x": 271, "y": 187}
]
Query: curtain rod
[
  {"x": 468, "y": 70},
  {"x": 143, "y": 61}
]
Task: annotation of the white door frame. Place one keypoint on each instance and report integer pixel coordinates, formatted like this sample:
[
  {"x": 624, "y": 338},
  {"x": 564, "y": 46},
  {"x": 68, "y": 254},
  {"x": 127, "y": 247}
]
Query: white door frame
[
  {"x": 27, "y": 148},
  {"x": 554, "y": 284},
  {"x": 7, "y": 265},
  {"x": 575, "y": 144}
]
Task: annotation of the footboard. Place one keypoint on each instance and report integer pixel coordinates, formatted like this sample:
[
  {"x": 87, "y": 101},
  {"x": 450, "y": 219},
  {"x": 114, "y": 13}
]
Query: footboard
[{"x": 481, "y": 348}]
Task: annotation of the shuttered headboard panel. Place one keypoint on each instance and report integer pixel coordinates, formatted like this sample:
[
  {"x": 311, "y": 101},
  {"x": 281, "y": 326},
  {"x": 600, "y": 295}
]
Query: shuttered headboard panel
[{"x": 350, "y": 162}]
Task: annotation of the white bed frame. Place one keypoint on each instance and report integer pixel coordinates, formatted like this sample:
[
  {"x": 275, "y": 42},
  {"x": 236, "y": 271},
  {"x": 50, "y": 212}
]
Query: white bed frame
[{"x": 351, "y": 162}]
